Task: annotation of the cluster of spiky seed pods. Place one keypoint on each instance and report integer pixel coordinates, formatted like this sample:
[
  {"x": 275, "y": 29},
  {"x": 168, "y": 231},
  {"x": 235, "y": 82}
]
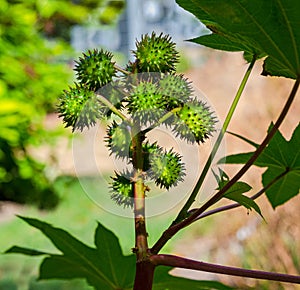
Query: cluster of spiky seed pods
[{"x": 145, "y": 94}]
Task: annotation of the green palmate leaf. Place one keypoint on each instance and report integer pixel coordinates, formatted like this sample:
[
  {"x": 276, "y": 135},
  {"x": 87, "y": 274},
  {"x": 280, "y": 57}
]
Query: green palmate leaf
[
  {"x": 235, "y": 192},
  {"x": 104, "y": 267},
  {"x": 262, "y": 28},
  {"x": 164, "y": 281},
  {"x": 282, "y": 158}
]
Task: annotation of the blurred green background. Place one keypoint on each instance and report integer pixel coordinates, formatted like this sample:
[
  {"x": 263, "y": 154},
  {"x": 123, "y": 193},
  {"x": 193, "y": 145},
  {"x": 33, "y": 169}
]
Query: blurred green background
[
  {"x": 35, "y": 66},
  {"x": 35, "y": 57}
]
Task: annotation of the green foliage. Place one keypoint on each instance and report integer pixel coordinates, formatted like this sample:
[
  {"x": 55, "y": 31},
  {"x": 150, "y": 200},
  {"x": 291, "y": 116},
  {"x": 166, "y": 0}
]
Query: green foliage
[
  {"x": 23, "y": 178},
  {"x": 261, "y": 28},
  {"x": 281, "y": 157},
  {"x": 236, "y": 191},
  {"x": 28, "y": 89},
  {"x": 101, "y": 265},
  {"x": 33, "y": 73}
]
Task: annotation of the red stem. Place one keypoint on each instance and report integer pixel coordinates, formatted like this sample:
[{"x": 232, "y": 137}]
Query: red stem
[
  {"x": 179, "y": 262},
  {"x": 144, "y": 275},
  {"x": 171, "y": 231},
  {"x": 234, "y": 205}
]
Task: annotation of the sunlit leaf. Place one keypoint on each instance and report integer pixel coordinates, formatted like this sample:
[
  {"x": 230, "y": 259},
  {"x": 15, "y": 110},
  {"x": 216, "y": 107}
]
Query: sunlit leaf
[
  {"x": 235, "y": 192},
  {"x": 262, "y": 28},
  {"x": 104, "y": 267},
  {"x": 282, "y": 158}
]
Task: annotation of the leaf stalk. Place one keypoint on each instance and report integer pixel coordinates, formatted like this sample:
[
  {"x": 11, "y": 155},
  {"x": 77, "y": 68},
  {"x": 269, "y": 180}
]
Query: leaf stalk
[
  {"x": 179, "y": 262},
  {"x": 183, "y": 212},
  {"x": 171, "y": 231}
]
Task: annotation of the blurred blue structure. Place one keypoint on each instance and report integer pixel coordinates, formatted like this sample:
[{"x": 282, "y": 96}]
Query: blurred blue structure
[{"x": 139, "y": 17}]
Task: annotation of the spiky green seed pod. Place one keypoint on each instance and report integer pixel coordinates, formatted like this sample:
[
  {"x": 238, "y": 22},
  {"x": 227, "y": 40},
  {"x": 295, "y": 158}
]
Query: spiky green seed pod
[
  {"x": 195, "y": 122},
  {"x": 119, "y": 140},
  {"x": 79, "y": 108},
  {"x": 95, "y": 69},
  {"x": 176, "y": 89},
  {"x": 148, "y": 151},
  {"x": 155, "y": 54},
  {"x": 122, "y": 190},
  {"x": 146, "y": 103},
  {"x": 166, "y": 168}
]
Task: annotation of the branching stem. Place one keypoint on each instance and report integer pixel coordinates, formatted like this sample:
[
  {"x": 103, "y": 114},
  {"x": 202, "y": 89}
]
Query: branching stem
[
  {"x": 162, "y": 119},
  {"x": 183, "y": 213},
  {"x": 171, "y": 231},
  {"x": 179, "y": 262},
  {"x": 235, "y": 205},
  {"x": 118, "y": 68},
  {"x": 107, "y": 103}
]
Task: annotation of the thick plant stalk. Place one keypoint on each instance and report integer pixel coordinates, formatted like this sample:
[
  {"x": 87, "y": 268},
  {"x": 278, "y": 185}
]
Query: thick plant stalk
[
  {"x": 144, "y": 269},
  {"x": 170, "y": 232},
  {"x": 144, "y": 276},
  {"x": 179, "y": 262},
  {"x": 183, "y": 213}
]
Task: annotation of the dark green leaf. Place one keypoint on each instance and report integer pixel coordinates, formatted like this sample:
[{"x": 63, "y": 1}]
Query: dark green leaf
[
  {"x": 245, "y": 201},
  {"x": 104, "y": 267},
  {"x": 285, "y": 188},
  {"x": 235, "y": 192},
  {"x": 256, "y": 27},
  {"x": 282, "y": 158},
  {"x": 24, "y": 251},
  {"x": 111, "y": 256},
  {"x": 240, "y": 158},
  {"x": 164, "y": 281},
  {"x": 219, "y": 42},
  {"x": 237, "y": 189},
  {"x": 244, "y": 139}
]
